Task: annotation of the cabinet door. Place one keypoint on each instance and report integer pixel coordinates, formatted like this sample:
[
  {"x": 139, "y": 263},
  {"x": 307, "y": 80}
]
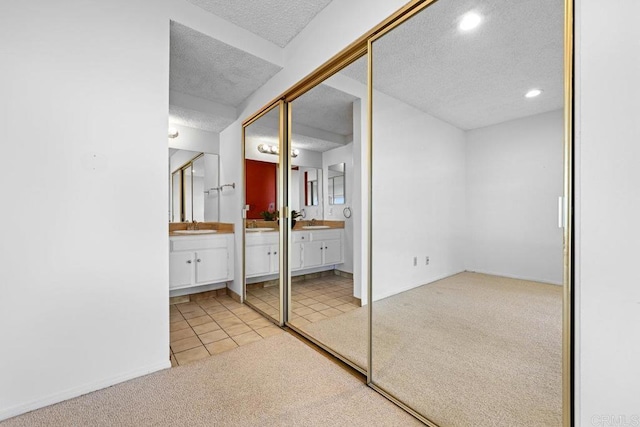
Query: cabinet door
[
  {"x": 296, "y": 256},
  {"x": 275, "y": 259},
  {"x": 211, "y": 265},
  {"x": 332, "y": 252},
  {"x": 258, "y": 260},
  {"x": 180, "y": 268},
  {"x": 312, "y": 254}
]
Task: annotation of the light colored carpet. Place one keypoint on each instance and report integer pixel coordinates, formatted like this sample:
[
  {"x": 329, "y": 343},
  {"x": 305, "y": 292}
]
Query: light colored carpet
[
  {"x": 278, "y": 381},
  {"x": 471, "y": 349}
]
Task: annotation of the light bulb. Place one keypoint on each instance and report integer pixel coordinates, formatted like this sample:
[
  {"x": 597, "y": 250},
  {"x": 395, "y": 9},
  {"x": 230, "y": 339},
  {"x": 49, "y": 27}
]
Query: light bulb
[
  {"x": 469, "y": 21},
  {"x": 533, "y": 93}
]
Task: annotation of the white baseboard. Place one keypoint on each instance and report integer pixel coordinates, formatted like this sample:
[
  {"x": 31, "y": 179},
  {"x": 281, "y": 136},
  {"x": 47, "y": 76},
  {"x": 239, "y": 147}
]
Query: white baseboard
[
  {"x": 80, "y": 390},
  {"x": 417, "y": 285},
  {"x": 518, "y": 277}
]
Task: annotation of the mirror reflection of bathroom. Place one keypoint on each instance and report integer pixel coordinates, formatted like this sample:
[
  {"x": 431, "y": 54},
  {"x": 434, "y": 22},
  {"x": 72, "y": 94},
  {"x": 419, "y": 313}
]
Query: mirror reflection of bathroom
[
  {"x": 326, "y": 283},
  {"x": 262, "y": 223},
  {"x": 194, "y": 186},
  {"x": 335, "y": 184},
  {"x": 468, "y": 147}
]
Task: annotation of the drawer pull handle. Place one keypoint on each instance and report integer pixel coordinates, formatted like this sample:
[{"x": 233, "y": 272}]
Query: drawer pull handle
[
  {"x": 189, "y": 262},
  {"x": 268, "y": 253},
  {"x": 199, "y": 260}
]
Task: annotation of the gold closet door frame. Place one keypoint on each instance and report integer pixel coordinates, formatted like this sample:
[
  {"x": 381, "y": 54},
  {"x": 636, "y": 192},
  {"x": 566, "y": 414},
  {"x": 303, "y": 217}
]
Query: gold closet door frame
[
  {"x": 362, "y": 46},
  {"x": 283, "y": 190}
]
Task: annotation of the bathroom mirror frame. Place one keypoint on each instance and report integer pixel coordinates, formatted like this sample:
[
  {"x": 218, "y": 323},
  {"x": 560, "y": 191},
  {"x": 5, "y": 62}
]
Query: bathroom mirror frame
[
  {"x": 284, "y": 157},
  {"x": 359, "y": 48}
]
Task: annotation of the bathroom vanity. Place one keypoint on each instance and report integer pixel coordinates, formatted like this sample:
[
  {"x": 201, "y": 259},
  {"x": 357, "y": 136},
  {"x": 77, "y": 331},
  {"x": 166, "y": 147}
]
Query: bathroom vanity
[
  {"x": 200, "y": 257},
  {"x": 311, "y": 249}
]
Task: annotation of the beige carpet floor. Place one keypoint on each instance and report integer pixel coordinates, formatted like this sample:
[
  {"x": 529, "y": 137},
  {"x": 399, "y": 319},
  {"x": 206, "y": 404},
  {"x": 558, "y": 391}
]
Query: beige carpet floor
[
  {"x": 278, "y": 381},
  {"x": 468, "y": 350}
]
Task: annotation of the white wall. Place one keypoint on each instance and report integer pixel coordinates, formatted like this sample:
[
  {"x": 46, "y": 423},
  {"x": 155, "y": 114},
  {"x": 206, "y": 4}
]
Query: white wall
[
  {"x": 418, "y": 197},
  {"x": 607, "y": 210},
  {"x": 514, "y": 178},
  {"x": 195, "y": 139},
  {"x": 231, "y": 199},
  {"x": 336, "y": 212},
  {"x": 84, "y": 275},
  {"x": 211, "y": 180}
]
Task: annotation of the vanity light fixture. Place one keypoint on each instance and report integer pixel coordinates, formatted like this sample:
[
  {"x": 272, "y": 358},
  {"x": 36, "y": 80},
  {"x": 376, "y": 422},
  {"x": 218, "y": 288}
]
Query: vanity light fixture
[
  {"x": 274, "y": 149},
  {"x": 173, "y": 132},
  {"x": 533, "y": 93},
  {"x": 469, "y": 21}
]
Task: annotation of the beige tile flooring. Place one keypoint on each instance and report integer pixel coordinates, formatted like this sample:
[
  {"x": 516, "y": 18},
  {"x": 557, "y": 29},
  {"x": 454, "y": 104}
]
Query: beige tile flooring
[
  {"x": 318, "y": 299},
  {"x": 313, "y": 299},
  {"x": 211, "y": 326},
  {"x": 265, "y": 299}
]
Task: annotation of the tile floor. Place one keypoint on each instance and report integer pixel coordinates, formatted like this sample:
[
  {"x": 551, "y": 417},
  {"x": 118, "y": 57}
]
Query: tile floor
[
  {"x": 321, "y": 298},
  {"x": 313, "y": 299},
  {"x": 211, "y": 326}
]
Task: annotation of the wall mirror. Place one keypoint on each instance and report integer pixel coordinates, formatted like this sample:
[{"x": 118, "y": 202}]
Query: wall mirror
[
  {"x": 312, "y": 181},
  {"x": 467, "y": 302},
  {"x": 335, "y": 184},
  {"x": 263, "y": 192},
  {"x": 326, "y": 301},
  {"x": 194, "y": 186}
]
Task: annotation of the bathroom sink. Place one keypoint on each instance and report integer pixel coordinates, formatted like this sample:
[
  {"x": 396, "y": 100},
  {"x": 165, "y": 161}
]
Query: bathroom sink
[
  {"x": 315, "y": 227},
  {"x": 258, "y": 229},
  {"x": 195, "y": 231}
]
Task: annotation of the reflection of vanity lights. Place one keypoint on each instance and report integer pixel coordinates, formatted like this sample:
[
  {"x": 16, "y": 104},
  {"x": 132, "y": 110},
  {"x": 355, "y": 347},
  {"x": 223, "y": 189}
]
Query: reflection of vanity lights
[
  {"x": 469, "y": 21},
  {"x": 173, "y": 133},
  {"x": 533, "y": 93},
  {"x": 274, "y": 149}
]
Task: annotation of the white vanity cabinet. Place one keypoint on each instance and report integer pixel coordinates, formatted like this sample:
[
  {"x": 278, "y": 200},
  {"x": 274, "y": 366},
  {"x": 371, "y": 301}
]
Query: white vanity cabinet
[
  {"x": 317, "y": 248},
  {"x": 200, "y": 260},
  {"x": 262, "y": 253},
  {"x": 309, "y": 249}
]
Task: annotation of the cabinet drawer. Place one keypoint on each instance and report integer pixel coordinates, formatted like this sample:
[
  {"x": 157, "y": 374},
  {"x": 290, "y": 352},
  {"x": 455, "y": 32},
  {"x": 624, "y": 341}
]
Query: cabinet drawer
[
  {"x": 269, "y": 238},
  {"x": 317, "y": 236},
  {"x": 186, "y": 244},
  {"x": 301, "y": 236}
]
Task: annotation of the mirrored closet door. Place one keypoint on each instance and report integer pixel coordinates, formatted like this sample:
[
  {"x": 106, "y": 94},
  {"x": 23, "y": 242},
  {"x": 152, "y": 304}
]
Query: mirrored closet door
[
  {"x": 264, "y": 224},
  {"x": 326, "y": 300},
  {"x": 467, "y": 255}
]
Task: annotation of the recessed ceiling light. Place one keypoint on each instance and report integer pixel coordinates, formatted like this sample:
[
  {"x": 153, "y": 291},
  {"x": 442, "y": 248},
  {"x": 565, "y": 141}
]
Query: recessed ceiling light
[
  {"x": 469, "y": 21},
  {"x": 173, "y": 133},
  {"x": 533, "y": 93}
]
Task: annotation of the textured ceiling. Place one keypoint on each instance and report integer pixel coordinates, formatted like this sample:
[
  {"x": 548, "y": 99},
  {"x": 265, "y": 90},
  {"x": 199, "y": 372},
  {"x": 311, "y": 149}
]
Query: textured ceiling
[
  {"x": 324, "y": 108},
  {"x": 278, "y": 21},
  {"x": 198, "y": 119},
  {"x": 320, "y": 119},
  {"x": 478, "y": 78},
  {"x": 207, "y": 68}
]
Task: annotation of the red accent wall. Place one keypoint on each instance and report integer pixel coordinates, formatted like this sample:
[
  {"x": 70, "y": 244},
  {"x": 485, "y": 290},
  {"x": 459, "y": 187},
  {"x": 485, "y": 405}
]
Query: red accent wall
[{"x": 261, "y": 181}]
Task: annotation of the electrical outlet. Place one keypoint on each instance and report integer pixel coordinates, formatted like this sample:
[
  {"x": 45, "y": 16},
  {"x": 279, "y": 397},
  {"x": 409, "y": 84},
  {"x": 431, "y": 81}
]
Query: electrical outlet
[
  {"x": 426, "y": 261},
  {"x": 415, "y": 261}
]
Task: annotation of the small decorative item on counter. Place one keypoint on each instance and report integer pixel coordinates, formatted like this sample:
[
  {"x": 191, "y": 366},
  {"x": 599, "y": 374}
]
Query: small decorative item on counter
[
  {"x": 294, "y": 216},
  {"x": 270, "y": 215}
]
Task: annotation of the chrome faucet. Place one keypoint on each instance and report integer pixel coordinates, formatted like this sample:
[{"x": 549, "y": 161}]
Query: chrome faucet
[
  {"x": 313, "y": 221},
  {"x": 193, "y": 226},
  {"x": 253, "y": 224}
]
